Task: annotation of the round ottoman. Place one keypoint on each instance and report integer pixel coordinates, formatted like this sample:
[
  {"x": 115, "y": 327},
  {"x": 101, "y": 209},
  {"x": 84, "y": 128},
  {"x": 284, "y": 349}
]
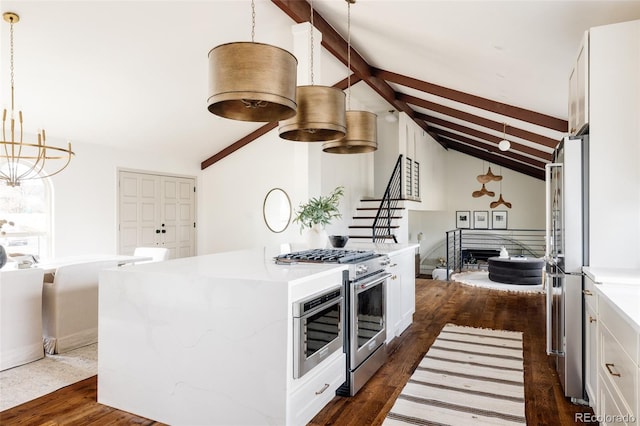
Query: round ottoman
[{"x": 516, "y": 270}]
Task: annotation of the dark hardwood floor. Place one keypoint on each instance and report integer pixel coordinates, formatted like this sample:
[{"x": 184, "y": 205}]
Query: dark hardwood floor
[{"x": 437, "y": 303}]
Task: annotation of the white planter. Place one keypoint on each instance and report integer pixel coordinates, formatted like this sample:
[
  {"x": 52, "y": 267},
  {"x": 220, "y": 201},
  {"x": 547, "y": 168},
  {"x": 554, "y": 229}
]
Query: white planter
[{"x": 316, "y": 237}]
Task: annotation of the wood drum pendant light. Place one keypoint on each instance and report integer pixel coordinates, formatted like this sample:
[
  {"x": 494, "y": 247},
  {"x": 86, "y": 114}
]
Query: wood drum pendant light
[
  {"x": 321, "y": 110},
  {"x": 251, "y": 81},
  {"x": 362, "y": 126},
  {"x": 362, "y": 134},
  {"x": 320, "y": 116}
]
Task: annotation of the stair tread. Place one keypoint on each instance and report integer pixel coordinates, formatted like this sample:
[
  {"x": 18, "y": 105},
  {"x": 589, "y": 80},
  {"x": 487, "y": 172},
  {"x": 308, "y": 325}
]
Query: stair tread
[
  {"x": 373, "y": 217},
  {"x": 370, "y": 237},
  {"x": 375, "y": 208},
  {"x": 370, "y": 226}
]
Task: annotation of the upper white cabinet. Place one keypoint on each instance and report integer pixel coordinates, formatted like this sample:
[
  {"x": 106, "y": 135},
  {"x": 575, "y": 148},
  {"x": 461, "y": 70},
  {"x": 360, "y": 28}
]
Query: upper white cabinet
[
  {"x": 579, "y": 89},
  {"x": 614, "y": 145}
]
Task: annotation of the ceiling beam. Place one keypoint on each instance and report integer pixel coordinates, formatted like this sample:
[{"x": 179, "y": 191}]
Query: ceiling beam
[
  {"x": 518, "y": 113},
  {"x": 238, "y": 144},
  {"x": 503, "y": 162},
  {"x": 342, "y": 84},
  {"x": 300, "y": 11},
  {"x": 480, "y": 121},
  {"x": 482, "y": 135},
  {"x": 494, "y": 150}
]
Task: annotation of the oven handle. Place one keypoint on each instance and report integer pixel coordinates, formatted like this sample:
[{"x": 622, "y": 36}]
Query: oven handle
[
  {"x": 336, "y": 301},
  {"x": 360, "y": 287}
]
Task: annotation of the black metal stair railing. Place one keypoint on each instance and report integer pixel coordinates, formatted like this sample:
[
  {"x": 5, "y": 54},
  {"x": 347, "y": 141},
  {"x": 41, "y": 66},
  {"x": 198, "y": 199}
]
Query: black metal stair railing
[
  {"x": 466, "y": 248},
  {"x": 388, "y": 205}
]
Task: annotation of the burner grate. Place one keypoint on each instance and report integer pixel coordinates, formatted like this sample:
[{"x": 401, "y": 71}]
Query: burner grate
[{"x": 325, "y": 256}]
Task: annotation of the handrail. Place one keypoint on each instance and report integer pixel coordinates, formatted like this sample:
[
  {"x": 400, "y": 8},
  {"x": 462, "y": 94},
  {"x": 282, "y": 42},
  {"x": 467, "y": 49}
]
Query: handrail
[
  {"x": 523, "y": 242},
  {"x": 388, "y": 204}
]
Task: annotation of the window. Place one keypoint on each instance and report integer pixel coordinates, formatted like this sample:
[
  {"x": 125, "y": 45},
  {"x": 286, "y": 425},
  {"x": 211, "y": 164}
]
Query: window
[{"x": 28, "y": 206}]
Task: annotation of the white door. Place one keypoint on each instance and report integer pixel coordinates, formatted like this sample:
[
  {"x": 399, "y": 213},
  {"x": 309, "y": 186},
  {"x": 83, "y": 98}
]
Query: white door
[
  {"x": 177, "y": 225},
  {"x": 156, "y": 210}
]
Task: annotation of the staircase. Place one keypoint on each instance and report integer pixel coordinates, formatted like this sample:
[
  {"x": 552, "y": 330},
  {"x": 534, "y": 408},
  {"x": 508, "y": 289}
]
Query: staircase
[
  {"x": 382, "y": 220},
  {"x": 362, "y": 225}
]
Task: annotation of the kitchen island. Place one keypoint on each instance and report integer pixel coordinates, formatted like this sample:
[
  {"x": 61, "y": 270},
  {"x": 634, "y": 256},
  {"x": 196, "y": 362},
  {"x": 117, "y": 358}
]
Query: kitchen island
[{"x": 208, "y": 340}]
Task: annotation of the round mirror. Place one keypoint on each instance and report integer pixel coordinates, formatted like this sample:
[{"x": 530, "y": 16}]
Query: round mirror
[{"x": 277, "y": 210}]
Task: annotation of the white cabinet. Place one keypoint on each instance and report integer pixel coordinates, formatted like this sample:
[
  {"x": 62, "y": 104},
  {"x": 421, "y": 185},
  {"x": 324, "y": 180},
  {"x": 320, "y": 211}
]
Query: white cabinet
[
  {"x": 617, "y": 366},
  {"x": 612, "y": 352},
  {"x": 614, "y": 145},
  {"x": 401, "y": 292},
  {"x": 579, "y": 89},
  {"x": 406, "y": 262},
  {"x": 393, "y": 295},
  {"x": 308, "y": 399}
]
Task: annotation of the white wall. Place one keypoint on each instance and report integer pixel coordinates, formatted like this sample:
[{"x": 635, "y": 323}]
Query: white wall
[
  {"x": 386, "y": 155},
  {"x": 524, "y": 192},
  {"x": 85, "y": 196},
  {"x": 231, "y": 193},
  {"x": 234, "y": 190}
]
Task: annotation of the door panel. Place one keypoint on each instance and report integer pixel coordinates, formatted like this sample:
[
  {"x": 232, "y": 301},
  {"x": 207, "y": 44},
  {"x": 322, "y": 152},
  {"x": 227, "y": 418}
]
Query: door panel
[
  {"x": 169, "y": 211},
  {"x": 156, "y": 211}
]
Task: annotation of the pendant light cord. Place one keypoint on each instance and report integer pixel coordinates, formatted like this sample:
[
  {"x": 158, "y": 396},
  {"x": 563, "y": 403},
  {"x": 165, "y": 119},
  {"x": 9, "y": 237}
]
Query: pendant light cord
[
  {"x": 11, "y": 63},
  {"x": 253, "y": 21},
  {"x": 311, "y": 50},
  {"x": 348, "y": 55}
]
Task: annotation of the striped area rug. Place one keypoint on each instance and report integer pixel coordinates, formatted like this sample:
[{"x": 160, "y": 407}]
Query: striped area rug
[{"x": 469, "y": 376}]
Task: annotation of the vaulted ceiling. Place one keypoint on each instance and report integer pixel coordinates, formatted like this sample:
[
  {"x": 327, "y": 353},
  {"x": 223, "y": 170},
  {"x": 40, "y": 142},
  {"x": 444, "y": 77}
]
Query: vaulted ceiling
[
  {"x": 134, "y": 73},
  {"x": 455, "y": 119}
]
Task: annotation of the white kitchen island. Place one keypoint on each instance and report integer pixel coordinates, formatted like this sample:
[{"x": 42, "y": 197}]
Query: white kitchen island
[{"x": 207, "y": 340}]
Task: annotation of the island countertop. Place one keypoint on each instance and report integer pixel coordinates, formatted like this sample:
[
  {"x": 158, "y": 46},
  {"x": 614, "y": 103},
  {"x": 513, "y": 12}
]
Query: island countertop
[
  {"x": 382, "y": 248},
  {"x": 256, "y": 264}
]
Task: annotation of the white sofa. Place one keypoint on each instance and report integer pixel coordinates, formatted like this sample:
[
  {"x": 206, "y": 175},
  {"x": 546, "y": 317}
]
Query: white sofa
[
  {"x": 70, "y": 306},
  {"x": 157, "y": 254},
  {"x": 20, "y": 317}
]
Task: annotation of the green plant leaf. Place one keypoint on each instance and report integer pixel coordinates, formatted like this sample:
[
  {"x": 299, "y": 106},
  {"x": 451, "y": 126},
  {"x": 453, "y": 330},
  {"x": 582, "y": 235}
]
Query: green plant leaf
[{"x": 319, "y": 210}]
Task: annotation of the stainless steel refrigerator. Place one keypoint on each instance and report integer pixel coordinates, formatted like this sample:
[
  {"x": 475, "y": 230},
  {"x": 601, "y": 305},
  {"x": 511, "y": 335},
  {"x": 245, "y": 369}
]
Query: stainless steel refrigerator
[{"x": 567, "y": 238}]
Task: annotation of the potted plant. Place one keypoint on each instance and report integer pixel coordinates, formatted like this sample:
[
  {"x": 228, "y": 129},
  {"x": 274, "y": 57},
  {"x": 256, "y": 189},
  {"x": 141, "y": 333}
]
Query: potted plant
[{"x": 318, "y": 212}]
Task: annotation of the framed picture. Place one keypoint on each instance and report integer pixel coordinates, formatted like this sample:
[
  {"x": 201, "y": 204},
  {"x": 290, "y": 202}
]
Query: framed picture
[
  {"x": 481, "y": 220},
  {"x": 463, "y": 220},
  {"x": 499, "y": 219}
]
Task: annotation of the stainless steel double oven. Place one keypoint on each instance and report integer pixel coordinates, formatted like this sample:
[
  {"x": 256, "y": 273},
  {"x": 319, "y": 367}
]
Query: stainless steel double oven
[{"x": 364, "y": 329}]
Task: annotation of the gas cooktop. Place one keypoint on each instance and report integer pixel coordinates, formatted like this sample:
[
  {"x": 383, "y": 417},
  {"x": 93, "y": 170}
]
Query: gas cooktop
[{"x": 325, "y": 256}]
